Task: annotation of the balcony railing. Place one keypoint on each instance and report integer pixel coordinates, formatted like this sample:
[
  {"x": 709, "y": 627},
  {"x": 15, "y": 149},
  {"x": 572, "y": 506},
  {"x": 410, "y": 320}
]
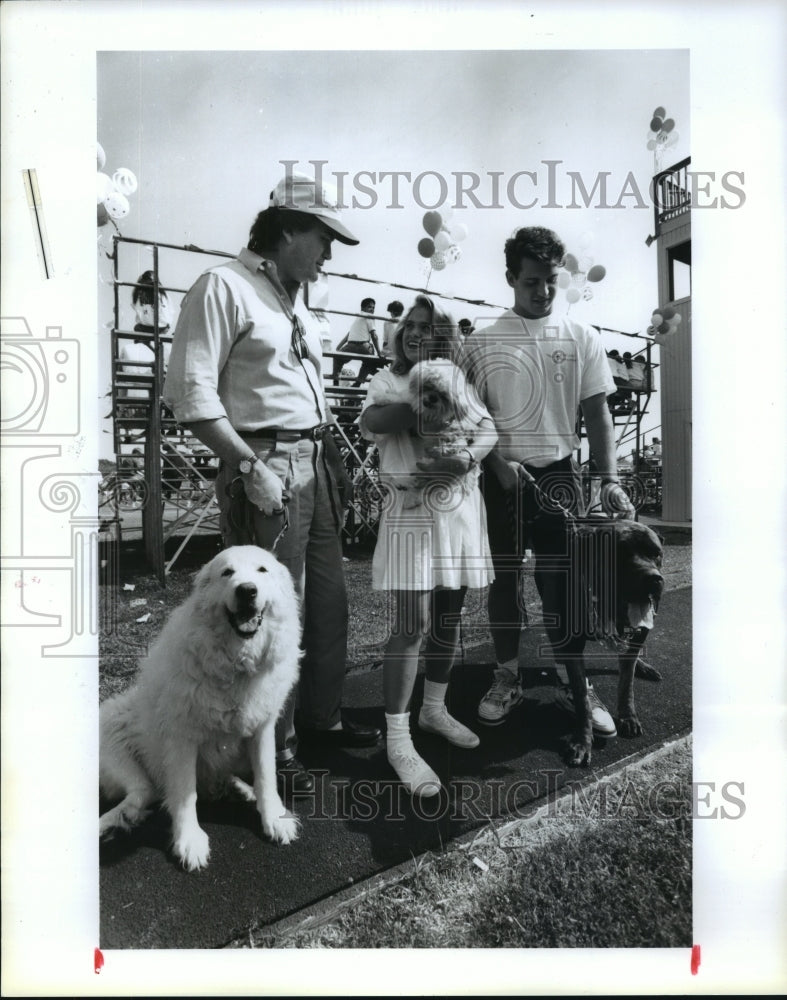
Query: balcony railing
[{"x": 671, "y": 193}]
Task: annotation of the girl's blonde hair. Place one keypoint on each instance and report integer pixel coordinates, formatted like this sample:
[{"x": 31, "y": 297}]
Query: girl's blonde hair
[{"x": 445, "y": 341}]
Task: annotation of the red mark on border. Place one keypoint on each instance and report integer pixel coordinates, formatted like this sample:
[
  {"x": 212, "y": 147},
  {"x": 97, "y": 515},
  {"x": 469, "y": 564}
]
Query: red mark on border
[
  {"x": 98, "y": 961},
  {"x": 695, "y": 959}
]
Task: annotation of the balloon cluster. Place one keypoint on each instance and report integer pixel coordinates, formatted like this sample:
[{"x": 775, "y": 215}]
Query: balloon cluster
[
  {"x": 663, "y": 323},
  {"x": 440, "y": 246},
  {"x": 113, "y": 192},
  {"x": 662, "y": 134},
  {"x": 579, "y": 270}
]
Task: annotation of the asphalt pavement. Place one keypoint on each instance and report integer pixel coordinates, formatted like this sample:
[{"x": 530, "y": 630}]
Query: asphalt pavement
[{"x": 358, "y": 822}]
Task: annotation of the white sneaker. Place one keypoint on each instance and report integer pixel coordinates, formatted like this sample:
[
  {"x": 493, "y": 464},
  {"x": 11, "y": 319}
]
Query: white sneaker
[
  {"x": 413, "y": 772},
  {"x": 437, "y": 720},
  {"x": 506, "y": 692},
  {"x": 603, "y": 723}
]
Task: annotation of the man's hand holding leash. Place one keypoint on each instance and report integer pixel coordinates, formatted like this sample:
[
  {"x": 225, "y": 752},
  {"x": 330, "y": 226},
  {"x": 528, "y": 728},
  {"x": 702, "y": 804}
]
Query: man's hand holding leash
[{"x": 263, "y": 488}]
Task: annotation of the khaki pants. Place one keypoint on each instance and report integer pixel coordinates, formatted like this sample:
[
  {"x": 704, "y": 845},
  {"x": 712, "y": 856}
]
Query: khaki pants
[{"x": 311, "y": 549}]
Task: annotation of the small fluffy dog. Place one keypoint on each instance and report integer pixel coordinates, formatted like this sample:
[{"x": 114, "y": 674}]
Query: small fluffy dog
[
  {"x": 439, "y": 395},
  {"x": 205, "y": 703}
]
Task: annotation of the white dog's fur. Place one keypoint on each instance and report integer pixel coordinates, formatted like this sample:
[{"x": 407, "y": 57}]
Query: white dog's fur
[
  {"x": 205, "y": 704},
  {"x": 438, "y": 388}
]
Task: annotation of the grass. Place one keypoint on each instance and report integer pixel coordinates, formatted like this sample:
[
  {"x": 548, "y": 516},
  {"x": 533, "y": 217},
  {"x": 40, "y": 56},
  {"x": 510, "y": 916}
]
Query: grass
[
  {"x": 572, "y": 878},
  {"x": 126, "y": 640}
]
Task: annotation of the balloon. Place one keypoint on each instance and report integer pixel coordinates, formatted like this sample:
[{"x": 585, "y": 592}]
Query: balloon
[
  {"x": 677, "y": 319},
  {"x": 459, "y": 232},
  {"x": 597, "y": 272},
  {"x": 103, "y": 217},
  {"x": 426, "y": 247},
  {"x": 668, "y": 125},
  {"x": 667, "y": 312},
  {"x": 101, "y": 156},
  {"x": 651, "y": 144},
  {"x": 584, "y": 262},
  {"x": 672, "y": 139},
  {"x": 570, "y": 263},
  {"x": 663, "y": 328},
  {"x": 656, "y": 319},
  {"x": 125, "y": 181},
  {"x": 563, "y": 280},
  {"x": 117, "y": 205},
  {"x": 586, "y": 241},
  {"x": 573, "y": 295},
  {"x": 438, "y": 261},
  {"x": 656, "y": 124},
  {"x": 104, "y": 187},
  {"x": 433, "y": 222},
  {"x": 659, "y": 113},
  {"x": 587, "y": 294},
  {"x": 442, "y": 241},
  {"x": 454, "y": 253}
]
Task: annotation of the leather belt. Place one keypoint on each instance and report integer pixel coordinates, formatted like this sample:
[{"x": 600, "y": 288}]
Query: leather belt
[{"x": 284, "y": 434}]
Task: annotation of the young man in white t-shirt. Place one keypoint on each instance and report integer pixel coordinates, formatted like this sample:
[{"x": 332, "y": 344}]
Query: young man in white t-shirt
[{"x": 535, "y": 373}]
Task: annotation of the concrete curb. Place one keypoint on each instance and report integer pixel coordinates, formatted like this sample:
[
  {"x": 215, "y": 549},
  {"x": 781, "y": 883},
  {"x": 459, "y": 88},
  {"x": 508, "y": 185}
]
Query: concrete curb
[{"x": 326, "y": 910}]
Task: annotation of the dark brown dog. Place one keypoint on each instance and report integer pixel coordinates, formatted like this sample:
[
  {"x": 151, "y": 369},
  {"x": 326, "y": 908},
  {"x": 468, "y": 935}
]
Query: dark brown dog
[{"x": 621, "y": 566}]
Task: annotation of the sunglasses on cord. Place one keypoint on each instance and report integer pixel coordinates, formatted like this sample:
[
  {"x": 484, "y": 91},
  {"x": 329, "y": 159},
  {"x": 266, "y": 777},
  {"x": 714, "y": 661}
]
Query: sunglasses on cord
[{"x": 298, "y": 342}]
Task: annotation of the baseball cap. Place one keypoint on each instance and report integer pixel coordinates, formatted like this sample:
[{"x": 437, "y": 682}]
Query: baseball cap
[{"x": 300, "y": 193}]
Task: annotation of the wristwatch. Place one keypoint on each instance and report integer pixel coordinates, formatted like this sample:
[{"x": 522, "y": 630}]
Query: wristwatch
[{"x": 246, "y": 464}]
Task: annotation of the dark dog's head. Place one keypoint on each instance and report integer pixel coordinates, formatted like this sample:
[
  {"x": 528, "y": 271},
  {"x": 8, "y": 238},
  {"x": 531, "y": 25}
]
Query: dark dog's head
[{"x": 623, "y": 565}]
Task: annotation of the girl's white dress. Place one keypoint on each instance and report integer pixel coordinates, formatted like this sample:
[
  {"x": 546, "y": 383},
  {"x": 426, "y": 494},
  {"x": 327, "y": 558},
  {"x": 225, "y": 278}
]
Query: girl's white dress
[{"x": 432, "y": 536}]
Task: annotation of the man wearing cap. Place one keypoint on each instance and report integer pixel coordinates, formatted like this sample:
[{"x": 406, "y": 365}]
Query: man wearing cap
[{"x": 245, "y": 376}]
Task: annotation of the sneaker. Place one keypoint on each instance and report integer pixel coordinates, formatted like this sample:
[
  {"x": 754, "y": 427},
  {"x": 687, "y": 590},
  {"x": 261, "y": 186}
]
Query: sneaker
[
  {"x": 506, "y": 692},
  {"x": 603, "y": 723},
  {"x": 413, "y": 772},
  {"x": 438, "y": 721}
]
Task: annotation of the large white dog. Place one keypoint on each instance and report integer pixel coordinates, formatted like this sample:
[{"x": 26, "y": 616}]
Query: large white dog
[{"x": 205, "y": 703}]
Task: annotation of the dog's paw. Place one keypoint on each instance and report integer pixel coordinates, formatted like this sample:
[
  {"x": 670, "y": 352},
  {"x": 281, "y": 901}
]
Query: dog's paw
[
  {"x": 192, "y": 849},
  {"x": 646, "y": 672},
  {"x": 629, "y": 726},
  {"x": 282, "y": 828},
  {"x": 579, "y": 753}
]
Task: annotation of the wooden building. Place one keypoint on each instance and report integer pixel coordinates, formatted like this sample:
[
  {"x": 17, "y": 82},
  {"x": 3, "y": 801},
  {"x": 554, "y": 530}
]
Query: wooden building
[{"x": 672, "y": 207}]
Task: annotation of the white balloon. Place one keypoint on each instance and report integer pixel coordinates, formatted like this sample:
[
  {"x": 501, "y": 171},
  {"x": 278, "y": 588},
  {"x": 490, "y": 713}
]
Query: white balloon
[
  {"x": 459, "y": 232},
  {"x": 442, "y": 241},
  {"x": 104, "y": 187},
  {"x": 573, "y": 295},
  {"x": 454, "y": 253},
  {"x": 563, "y": 279},
  {"x": 117, "y": 205},
  {"x": 676, "y": 319},
  {"x": 125, "y": 181},
  {"x": 438, "y": 261}
]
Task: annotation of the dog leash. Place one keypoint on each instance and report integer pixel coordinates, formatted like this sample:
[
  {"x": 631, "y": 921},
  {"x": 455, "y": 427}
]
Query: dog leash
[{"x": 245, "y": 522}]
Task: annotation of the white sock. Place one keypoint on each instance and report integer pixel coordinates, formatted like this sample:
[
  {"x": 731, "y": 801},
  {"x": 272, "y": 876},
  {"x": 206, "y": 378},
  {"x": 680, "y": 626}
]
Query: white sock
[
  {"x": 434, "y": 694},
  {"x": 397, "y": 731}
]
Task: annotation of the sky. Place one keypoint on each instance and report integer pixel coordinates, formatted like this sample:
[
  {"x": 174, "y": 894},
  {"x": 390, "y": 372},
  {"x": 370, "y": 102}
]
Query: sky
[{"x": 207, "y": 135}]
